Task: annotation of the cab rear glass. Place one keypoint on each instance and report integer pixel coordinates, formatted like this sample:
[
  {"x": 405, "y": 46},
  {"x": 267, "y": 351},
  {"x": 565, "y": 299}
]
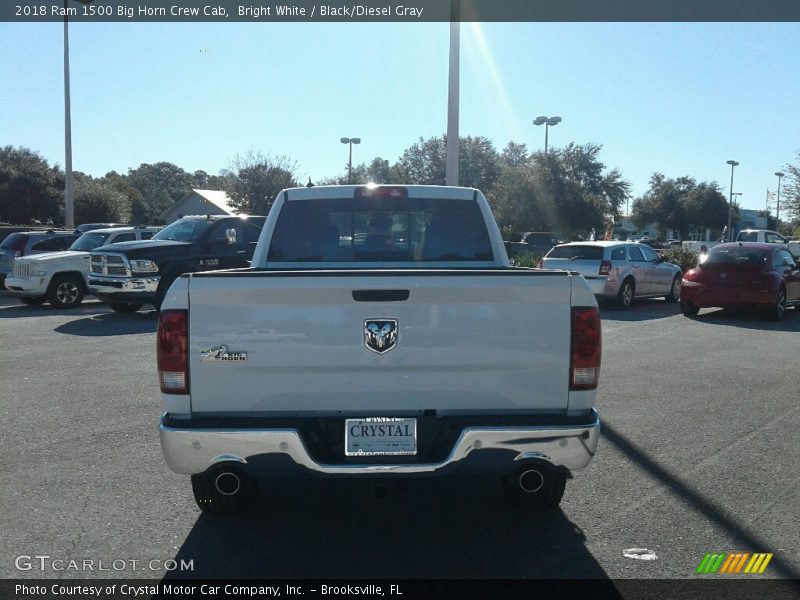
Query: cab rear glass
[{"x": 365, "y": 229}]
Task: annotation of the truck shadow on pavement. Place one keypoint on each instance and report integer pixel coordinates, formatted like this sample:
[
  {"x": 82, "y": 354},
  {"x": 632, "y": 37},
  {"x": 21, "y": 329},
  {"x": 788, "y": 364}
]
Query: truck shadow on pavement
[
  {"x": 642, "y": 310},
  {"x": 111, "y": 323},
  {"x": 410, "y": 528}
]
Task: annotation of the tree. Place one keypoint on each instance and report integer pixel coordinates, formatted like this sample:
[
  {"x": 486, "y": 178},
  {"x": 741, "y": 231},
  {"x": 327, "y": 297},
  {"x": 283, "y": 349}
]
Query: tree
[
  {"x": 97, "y": 201},
  {"x": 161, "y": 185},
  {"x": 425, "y": 163},
  {"x": 30, "y": 189},
  {"x": 679, "y": 203},
  {"x": 253, "y": 181},
  {"x": 791, "y": 191}
]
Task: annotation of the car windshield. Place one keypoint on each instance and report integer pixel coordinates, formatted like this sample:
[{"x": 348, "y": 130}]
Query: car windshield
[
  {"x": 577, "y": 252},
  {"x": 89, "y": 241},
  {"x": 736, "y": 256},
  {"x": 15, "y": 240},
  {"x": 183, "y": 230}
]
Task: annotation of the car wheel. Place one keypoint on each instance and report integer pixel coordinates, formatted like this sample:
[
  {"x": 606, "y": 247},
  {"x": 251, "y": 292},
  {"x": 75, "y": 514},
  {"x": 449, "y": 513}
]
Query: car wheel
[
  {"x": 779, "y": 307},
  {"x": 66, "y": 291},
  {"x": 675, "y": 291},
  {"x": 626, "y": 294},
  {"x": 37, "y": 301},
  {"x": 689, "y": 309},
  {"x": 222, "y": 491},
  {"x": 125, "y": 307},
  {"x": 537, "y": 488}
]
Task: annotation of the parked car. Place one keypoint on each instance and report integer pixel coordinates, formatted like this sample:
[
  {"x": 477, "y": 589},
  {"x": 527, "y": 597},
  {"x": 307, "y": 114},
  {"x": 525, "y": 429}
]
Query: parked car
[
  {"x": 127, "y": 276},
  {"x": 794, "y": 247},
  {"x": 743, "y": 274},
  {"x": 90, "y": 226},
  {"x": 24, "y": 243},
  {"x": 62, "y": 277},
  {"x": 532, "y": 243},
  {"x": 618, "y": 271},
  {"x": 761, "y": 235}
]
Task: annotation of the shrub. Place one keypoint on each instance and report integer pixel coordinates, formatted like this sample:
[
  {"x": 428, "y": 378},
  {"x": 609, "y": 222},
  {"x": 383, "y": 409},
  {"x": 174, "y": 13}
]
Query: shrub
[
  {"x": 526, "y": 260},
  {"x": 683, "y": 257}
]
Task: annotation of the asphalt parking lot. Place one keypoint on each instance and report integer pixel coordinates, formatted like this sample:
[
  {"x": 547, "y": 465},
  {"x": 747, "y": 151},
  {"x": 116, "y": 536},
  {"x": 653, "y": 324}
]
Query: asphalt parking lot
[{"x": 699, "y": 454}]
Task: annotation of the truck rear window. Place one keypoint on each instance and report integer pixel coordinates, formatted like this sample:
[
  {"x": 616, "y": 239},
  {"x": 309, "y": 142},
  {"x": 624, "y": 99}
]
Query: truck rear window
[
  {"x": 380, "y": 230},
  {"x": 577, "y": 252}
]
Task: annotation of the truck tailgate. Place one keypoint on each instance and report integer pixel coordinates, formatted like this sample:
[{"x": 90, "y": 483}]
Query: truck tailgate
[{"x": 467, "y": 341}]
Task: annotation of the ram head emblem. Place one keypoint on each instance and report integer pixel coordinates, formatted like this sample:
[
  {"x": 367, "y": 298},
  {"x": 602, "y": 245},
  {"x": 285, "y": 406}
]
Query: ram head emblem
[{"x": 380, "y": 335}]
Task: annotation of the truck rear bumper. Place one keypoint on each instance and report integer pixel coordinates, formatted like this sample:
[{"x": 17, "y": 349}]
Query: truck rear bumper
[{"x": 192, "y": 450}]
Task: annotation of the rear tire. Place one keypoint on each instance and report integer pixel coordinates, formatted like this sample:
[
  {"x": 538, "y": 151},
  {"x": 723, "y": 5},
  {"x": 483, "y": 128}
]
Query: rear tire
[
  {"x": 125, "y": 307},
  {"x": 626, "y": 294},
  {"x": 37, "y": 301},
  {"x": 66, "y": 291},
  {"x": 689, "y": 309},
  {"x": 212, "y": 502},
  {"x": 778, "y": 309},
  {"x": 674, "y": 291}
]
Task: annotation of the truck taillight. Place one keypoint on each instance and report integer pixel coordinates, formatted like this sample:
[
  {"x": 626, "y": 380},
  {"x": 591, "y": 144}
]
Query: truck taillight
[
  {"x": 172, "y": 351},
  {"x": 585, "y": 349},
  {"x": 605, "y": 267}
]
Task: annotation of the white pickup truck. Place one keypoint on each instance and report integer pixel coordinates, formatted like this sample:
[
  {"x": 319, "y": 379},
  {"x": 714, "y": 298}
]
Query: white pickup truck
[{"x": 379, "y": 331}]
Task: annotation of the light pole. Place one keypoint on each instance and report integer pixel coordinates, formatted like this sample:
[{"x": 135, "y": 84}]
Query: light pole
[
  {"x": 778, "y": 206},
  {"x": 547, "y": 122},
  {"x": 69, "y": 209},
  {"x": 733, "y": 164},
  {"x": 350, "y": 141},
  {"x": 453, "y": 83}
]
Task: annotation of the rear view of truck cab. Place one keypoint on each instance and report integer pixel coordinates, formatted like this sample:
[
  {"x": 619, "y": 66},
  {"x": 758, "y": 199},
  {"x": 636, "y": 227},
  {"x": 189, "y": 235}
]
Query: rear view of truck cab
[{"x": 379, "y": 331}]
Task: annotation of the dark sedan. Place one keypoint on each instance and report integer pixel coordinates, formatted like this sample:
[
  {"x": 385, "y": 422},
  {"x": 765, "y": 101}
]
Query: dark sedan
[{"x": 741, "y": 275}]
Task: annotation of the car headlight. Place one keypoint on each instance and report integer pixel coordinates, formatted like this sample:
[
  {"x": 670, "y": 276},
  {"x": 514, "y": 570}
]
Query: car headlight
[
  {"x": 41, "y": 273},
  {"x": 144, "y": 266}
]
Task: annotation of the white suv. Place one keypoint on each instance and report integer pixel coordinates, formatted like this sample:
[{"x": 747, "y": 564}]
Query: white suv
[{"x": 61, "y": 277}]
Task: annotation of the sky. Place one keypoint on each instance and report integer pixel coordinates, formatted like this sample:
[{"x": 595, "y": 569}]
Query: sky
[{"x": 680, "y": 99}]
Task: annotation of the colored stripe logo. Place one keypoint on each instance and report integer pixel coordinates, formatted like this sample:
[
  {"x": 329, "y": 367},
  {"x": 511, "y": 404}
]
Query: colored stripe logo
[{"x": 735, "y": 563}]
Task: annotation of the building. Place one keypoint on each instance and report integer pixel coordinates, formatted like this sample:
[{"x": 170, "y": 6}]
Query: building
[{"x": 201, "y": 202}]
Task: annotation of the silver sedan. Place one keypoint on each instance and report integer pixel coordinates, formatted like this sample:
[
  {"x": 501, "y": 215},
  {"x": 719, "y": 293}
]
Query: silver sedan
[{"x": 618, "y": 271}]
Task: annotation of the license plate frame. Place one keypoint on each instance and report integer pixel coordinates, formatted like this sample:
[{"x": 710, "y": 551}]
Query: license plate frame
[{"x": 398, "y": 436}]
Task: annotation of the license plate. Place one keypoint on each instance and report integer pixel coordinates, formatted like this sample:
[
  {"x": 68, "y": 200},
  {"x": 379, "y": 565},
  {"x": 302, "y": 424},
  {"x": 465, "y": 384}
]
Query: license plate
[{"x": 380, "y": 436}]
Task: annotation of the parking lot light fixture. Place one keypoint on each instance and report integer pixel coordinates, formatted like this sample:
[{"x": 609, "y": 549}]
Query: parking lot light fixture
[
  {"x": 547, "y": 122},
  {"x": 733, "y": 164},
  {"x": 350, "y": 141}
]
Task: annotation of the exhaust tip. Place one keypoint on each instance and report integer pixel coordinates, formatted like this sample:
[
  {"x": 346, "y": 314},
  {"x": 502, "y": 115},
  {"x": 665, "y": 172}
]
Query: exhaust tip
[
  {"x": 531, "y": 480},
  {"x": 228, "y": 483}
]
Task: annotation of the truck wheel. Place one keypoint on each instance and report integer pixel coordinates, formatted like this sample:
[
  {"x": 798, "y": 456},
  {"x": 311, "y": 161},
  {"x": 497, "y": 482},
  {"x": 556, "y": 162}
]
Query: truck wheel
[
  {"x": 125, "y": 307},
  {"x": 37, "y": 301},
  {"x": 66, "y": 291},
  {"x": 536, "y": 487},
  {"x": 222, "y": 491},
  {"x": 689, "y": 309},
  {"x": 626, "y": 294},
  {"x": 674, "y": 291},
  {"x": 778, "y": 308}
]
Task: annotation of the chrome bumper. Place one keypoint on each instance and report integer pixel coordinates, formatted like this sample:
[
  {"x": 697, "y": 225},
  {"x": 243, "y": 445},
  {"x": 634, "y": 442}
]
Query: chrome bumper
[
  {"x": 123, "y": 285},
  {"x": 192, "y": 451}
]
